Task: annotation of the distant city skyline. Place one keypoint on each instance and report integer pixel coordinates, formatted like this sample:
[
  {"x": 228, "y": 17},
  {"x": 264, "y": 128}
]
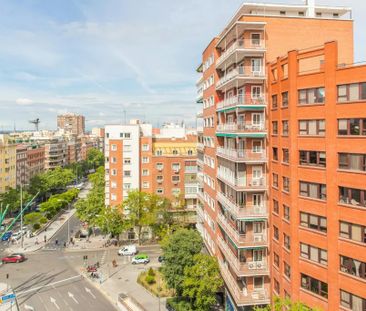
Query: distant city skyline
[{"x": 100, "y": 59}]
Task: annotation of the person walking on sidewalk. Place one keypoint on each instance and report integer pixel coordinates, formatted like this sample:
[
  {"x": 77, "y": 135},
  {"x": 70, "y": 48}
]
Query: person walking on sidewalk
[{"x": 45, "y": 238}]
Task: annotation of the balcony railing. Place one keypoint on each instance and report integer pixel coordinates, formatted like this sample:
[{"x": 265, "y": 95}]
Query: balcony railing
[
  {"x": 241, "y": 127},
  {"x": 243, "y": 268},
  {"x": 200, "y": 215},
  {"x": 241, "y": 154},
  {"x": 241, "y": 72},
  {"x": 243, "y": 240},
  {"x": 241, "y": 211},
  {"x": 251, "y": 45},
  {"x": 200, "y": 146},
  {"x": 190, "y": 169},
  {"x": 243, "y": 296},
  {"x": 241, "y": 182},
  {"x": 240, "y": 100}
]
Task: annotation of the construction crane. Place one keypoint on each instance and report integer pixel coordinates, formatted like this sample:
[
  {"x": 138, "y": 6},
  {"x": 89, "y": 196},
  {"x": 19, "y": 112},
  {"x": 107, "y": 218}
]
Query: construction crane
[{"x": 35, "y": 122}]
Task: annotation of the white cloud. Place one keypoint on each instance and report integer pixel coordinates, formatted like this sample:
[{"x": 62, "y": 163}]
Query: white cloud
[{"x": 24, "y": 101}]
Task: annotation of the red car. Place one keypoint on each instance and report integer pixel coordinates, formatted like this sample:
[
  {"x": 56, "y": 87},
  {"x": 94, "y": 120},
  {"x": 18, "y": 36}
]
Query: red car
[{"x": 13, "y": 258}]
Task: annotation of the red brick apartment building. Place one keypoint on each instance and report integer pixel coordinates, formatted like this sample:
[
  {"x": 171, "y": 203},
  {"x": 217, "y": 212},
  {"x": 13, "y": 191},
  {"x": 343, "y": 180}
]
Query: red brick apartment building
[
  {"x": 318, "y": 179},
  {"x": 235, "y": 151},
  {"x": 150, "y": 160}
]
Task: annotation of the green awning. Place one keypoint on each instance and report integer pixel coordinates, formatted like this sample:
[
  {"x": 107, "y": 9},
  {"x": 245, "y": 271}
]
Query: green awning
[
  {"x": 249, "y": 107},
  {"x": 250, "y": 135}
]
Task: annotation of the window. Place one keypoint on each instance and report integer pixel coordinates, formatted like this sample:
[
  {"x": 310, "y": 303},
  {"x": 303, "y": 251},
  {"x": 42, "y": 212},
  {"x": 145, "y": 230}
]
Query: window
[
  {"x": 276, "y": 233},
  {"x": 113, "y": 185},
  {"x": 176, "y": 167},
  {"x": 276, "y": 207},
  {"x": 282, "y": 12},
  {"x": 126, "y": 161},
  {"x": 126, "y": 186},
  {"x": 285, "y": 155},
  {"x": 353, "y": 266},
  {"x": 286, "y": 184},
  {"x": 284, "y": 99},
  {"x": 314, "y": 253},
  {"x": 145, "y": 160},
  {"x": 158, "y": 152},
  {"x": 145, "y": 185},
  {"x": 285, "y": 128},
  {"x": 127, "y": 173},
  {"x": 159, "y": 166},
  {"x": 317, "y": 287},
  {"x": 276, "y": 287},
  {"x": 145, "y": 172},
  {"x": 286, "y": 212},
  {"x": 255, "y": 39},
  {"x": 114, "y": 172},
  {"x": 352, "y": 92},
  {"x": 175, "y": 178},
  {"x": 274, "y": 102},
  {"x": 352, "y": 196},
  {"x": 352, "y": 231},
  {"x": 286, "y": 241},
  {"x": 301, "y": 13},
  {"x": 159, "y": 178},
  {"x": 313, "y": 190},
  {"x": 352, "y": 127},
  {"x": 159, "y": 191},
  {"x": 114, "y": 147},
  {"x": 311, "y": 96},
  {"x": 276, "y": 259},
  {"x": 127, "y": 135},
  {"x": 274, "y": 128},
  {"x": 312, "y": 158},
  {"x": 275, "y": 153},
  {"x": 190, "y": 152},
  {"x": 175, "y": 152},
  {"x": 314, "y": 222},
  {"x": 113, "y": 160},
  {"x": 274, "y": 180},
  {"x": 312, "y": 127},
  {"x": 352, "y": 161},
  {"x": 352, "y": 302},
  {"x": 145, "y": 147},
  {"x": 287, "y": 269},
  {"x": 113, "y": 197}
]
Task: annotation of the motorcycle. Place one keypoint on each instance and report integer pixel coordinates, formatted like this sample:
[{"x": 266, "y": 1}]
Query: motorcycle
[{"x": 91, "y": 268}]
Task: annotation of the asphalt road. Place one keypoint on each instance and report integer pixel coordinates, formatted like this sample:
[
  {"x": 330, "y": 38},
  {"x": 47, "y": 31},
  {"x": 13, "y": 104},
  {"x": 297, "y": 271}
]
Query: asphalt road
[{"x": 47, "y": 281}]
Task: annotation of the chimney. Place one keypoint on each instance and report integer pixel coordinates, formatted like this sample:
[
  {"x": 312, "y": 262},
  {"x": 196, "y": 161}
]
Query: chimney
[{"x": 311, "y": 8}]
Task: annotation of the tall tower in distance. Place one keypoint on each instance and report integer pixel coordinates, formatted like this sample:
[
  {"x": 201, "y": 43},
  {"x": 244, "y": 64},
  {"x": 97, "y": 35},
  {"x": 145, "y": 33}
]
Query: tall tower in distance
[{"x": 71, "y": 123}]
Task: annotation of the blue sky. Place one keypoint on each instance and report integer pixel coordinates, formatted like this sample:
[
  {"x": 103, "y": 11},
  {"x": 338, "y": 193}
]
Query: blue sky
[{"x": 99, "y": 58}]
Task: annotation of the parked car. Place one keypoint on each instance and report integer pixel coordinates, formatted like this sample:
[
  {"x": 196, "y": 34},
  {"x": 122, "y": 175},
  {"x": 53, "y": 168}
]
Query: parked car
[
  {"x": 128, "y": 250},
  {"x": 6, "y": 236},
  {"x": 13, "y": 258},
  {"x": 161, "y": 258},
  {"x": 142, "y": 258},
  {"x": 17, "y": 235}
]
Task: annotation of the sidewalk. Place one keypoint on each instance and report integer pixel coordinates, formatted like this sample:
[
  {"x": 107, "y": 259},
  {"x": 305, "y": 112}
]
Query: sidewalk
[
  {"x": 123, "y": 279},
  {"x": 30, "y": 243}
]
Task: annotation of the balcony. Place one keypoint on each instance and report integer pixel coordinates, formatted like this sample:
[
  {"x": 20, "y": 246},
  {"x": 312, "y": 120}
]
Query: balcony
[
  {"x": 241, "y": 183},
  {"x": 242, "y": 212},
  {"x": 251, "y": 130},
  {"x": 190, "y": 169},
  {"x": 243, "y": 297},
  {"x": 241, "y": 47},
  {"x": 190, "y": 192},
  {"x": 200, "y": 196},
  {"x": 241, "y": 101},
  {"x": 242, "y": 155},
  {"x": 249, "y": 239},
  {"x": 200, "y": 146},
  {"x": 242, "y": 75},
  {"x": 242, "y": 268},
  {"x": 200, "y": 215}
]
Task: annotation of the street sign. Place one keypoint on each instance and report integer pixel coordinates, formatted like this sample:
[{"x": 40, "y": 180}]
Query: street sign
[{"x": 7, "y": 298}]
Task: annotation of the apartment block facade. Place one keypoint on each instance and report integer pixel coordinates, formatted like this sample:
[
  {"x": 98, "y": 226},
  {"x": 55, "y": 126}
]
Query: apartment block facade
[
  {"x": 234, "y": 148},
  {"x": 71, "y": 123},
  {"x": 318, "y": 180},
  {"x": 150, "y": 160},
  {"x": 21, "y": 165},
  {"x": 35, "y": 160},
  {"x": 55, "y": 153},
  {"x": 8, "y": 158}
]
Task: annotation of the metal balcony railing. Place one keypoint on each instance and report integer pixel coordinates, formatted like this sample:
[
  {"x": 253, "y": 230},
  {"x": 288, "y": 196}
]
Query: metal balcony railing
[
  {"x": 240, "y": 100},
  {"x": 241, "y": 154},
  {"x": 241, "y": 127},
  {"x": 242, "y": 72}
]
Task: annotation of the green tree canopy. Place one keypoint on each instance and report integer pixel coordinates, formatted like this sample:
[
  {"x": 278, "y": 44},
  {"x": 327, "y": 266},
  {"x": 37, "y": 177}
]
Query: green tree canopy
[
  {"x": 281, "y": 304},
  {"x": 179, "y": 250},
  {"x": 95, "y": 158},
  {"x": 111, "y": 220},
  {"x": 12, "y": 197},
  {"x": 202, "y": 281}
]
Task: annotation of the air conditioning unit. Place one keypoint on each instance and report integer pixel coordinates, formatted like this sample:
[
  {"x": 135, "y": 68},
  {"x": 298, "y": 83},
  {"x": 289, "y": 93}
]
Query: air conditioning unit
[
  {"x": 251, "y": 266},
  {"x": 259, "y": 265}
]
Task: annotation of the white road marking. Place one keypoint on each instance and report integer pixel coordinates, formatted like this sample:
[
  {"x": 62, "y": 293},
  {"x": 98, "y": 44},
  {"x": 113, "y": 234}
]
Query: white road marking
[
  {"x": 43, "y": 302},
  {"x": 53, "y": 300},
  {"x": 28, "y": 307},
  {"x": 90, "y": 292},
  {"x": 71, "y": 295}
]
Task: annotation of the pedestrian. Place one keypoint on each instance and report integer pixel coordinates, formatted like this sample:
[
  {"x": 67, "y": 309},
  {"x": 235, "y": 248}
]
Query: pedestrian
[
  {"x": 64, "y": 244},
  {"x": 45, "y": 238},
  {"x": 36, "y": 241},
  {"x": 56, "y": 242}
]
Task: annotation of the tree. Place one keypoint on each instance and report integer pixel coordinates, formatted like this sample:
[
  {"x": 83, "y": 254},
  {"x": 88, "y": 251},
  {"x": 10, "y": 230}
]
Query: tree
[
  {"x": 87, "y": 209},
  {"x": 280, "y": 304},
  {"x": 34, "y": 219},
  {"x": 179, "y": 250},
  {"x": 112, "y": 220},
  {"x": 202, "y": 281},
  {"x": 12, "y": 197},
  {"x": 94, "y": 158}
]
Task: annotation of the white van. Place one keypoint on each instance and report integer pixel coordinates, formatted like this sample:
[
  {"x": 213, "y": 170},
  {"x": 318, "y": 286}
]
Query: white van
[{"x": 128, "y": 250}]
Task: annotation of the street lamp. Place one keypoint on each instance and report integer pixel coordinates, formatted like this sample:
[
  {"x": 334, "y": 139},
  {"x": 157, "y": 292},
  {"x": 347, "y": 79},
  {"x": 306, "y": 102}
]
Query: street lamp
[{"x": 21, "y": 215}]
